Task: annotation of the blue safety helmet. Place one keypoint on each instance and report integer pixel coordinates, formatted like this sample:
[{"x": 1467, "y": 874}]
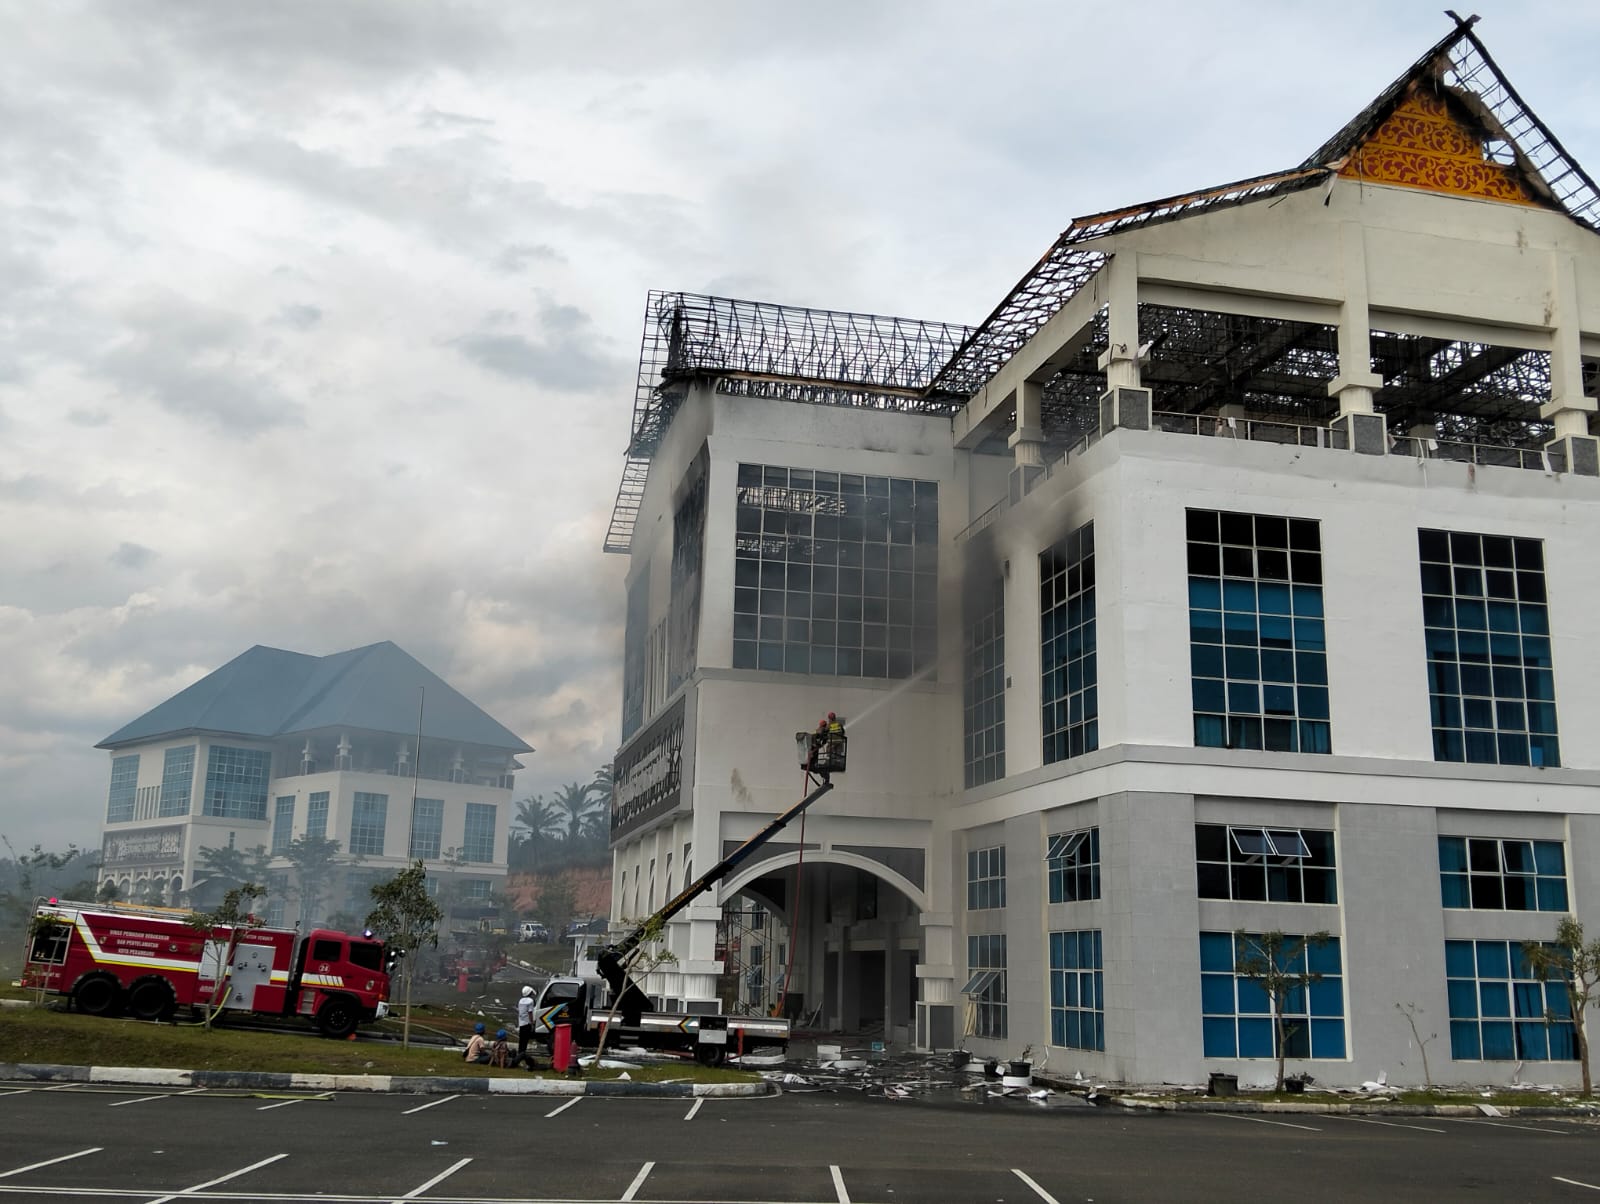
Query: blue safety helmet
[
  {"x": 501, "y": 1035},
  {"x": 478, "y": 1027}
]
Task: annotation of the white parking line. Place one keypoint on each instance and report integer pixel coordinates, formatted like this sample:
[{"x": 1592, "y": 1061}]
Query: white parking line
[
  {"x": 439, "y": 1178},
  {"x": 430, "y": 1104},
  {"x": 563, "y": 1107},
  {"x": 838, "y": 1185},
  {"x": 1575, "y": 1182},
  {"x": 1263, "y": 1121},
  {"x": 1043, "y": 1195},
  {"x": 1367, "y": 1120},
  {"x": 17, "y": 1091},
  {"x": 695, "y": 1107},
  {"x": 1500, "y": 1124},
  {"x": 143, "y": 1099},
  {"x": 243, "y": 1170},
  {"x": 638, "y": 1181},
  {"x": 284, "y": 1103},
  {"x": 33, "y": 1166}
]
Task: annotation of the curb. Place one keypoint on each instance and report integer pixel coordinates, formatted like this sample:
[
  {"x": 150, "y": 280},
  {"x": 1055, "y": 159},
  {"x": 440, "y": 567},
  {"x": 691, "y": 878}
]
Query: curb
[
  {"x": 1361, "y": 1108},
  {"x": 252, "y": 1080}
]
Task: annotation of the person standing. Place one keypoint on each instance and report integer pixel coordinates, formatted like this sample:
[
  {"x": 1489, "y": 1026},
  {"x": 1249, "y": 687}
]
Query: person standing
[{"x": 524, "y": 1026}]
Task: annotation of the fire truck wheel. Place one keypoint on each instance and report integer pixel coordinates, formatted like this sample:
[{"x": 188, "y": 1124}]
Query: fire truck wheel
[
  {"x": 711, "y": 1055},
  {"x": 338, "y": 1018},
  {"x": 151, "y": 999},
  {"x": 97, "y": 996}
]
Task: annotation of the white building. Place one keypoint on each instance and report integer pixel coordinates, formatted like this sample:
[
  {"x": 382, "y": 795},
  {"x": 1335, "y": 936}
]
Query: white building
[
  {"x": 276, "y": 746},
  {"x": 1232, "y": 575}
]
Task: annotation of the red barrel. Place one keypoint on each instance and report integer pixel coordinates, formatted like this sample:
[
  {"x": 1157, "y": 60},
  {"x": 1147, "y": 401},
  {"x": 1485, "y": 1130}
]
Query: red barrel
[{"x": 561, "y": 1048}]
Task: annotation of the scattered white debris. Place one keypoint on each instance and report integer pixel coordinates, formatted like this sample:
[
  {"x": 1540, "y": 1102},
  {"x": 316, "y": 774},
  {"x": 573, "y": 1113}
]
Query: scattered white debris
[{"x": 1490, "y": 1110}]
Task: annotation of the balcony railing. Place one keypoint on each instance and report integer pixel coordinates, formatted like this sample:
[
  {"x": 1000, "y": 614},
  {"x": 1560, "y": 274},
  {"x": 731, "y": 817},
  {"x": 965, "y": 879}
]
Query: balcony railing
[{"x": 1298, "y": 434}]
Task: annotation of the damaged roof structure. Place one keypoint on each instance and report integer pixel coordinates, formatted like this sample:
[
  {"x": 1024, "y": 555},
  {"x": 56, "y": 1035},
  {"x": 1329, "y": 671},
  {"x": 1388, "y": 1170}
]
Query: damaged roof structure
[{"x": 1231, "y": 576}]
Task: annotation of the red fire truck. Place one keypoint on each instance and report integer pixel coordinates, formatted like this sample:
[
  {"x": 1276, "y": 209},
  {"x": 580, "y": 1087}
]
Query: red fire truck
[{"x": 150, "y": 961}]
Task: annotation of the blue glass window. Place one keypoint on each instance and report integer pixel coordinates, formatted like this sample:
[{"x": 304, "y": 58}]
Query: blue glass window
[
  {"x": 478, "y": 841},
  {"x": 984, "y": 687},
  {"x": 368, "y": 820},
  {"x": 1072, "y": 860},
  {"x": 835, "y": 573},
  {"x": 1499, "y": 1011},
  {"x": 1077, "y": 990},
  {"x": 177, "y": 780},
  {"x": 1490, "y": 676},
  {"x": 236, "y": 782},
  {"x": 1257, "y": 643},
  {"x": 124, "y": 789},
  {"x": 1236, "y": 1013},
  {"x": 427, "y": 828},
  {"x": 1068, "y": 647}
]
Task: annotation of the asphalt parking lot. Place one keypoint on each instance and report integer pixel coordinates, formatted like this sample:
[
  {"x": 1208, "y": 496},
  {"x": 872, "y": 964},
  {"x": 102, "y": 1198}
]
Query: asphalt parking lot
[{"x": 154, "y": 1147}]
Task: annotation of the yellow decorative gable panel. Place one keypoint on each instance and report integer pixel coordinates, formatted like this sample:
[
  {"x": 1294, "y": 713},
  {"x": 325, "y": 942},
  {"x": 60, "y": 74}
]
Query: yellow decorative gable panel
[{"x": 1424, "y": 145}]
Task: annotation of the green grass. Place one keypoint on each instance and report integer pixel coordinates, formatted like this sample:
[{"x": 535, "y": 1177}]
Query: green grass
[{"x": 63, "y": 1038}]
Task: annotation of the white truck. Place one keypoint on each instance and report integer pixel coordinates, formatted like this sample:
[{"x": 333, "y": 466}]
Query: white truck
[{"x": 611, "y": 999}]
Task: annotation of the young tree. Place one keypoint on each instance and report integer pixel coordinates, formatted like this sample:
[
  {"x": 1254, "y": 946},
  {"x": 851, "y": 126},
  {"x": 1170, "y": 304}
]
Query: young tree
[
  {"x": 234, "y": 918},
  {"x": 35, "y": 871},
  {"x": 558, "y": 899},
  {"x": 1278, "y": 965},
  {"x": 1575, "y": 964},
  {"x": 312, "y": 860},
  {"x": 406, "y": 917}
]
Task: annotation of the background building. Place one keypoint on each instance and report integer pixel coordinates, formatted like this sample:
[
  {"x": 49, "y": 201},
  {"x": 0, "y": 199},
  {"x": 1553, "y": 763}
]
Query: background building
[
  {"x": 303, "y": 772},
  {"x": 1232, "y": 575}
]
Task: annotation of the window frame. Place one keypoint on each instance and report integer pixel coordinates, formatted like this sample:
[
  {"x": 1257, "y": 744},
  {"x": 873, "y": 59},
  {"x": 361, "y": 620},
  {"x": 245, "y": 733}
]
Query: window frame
[
  {"x": 986, "y": 878},
  {"x": 1075, "y": 1024},
  {"x": 1072, "y": 858},
  {"x": 1549, "y": 891},
  {"x": 1283, "y": 876}
]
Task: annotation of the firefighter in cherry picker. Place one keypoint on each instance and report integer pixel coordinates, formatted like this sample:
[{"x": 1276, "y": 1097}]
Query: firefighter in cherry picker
[{"x": 826, "y": 751}]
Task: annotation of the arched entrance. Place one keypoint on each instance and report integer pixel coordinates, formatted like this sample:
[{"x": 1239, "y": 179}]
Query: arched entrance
[{"x": 845, "y": 938}]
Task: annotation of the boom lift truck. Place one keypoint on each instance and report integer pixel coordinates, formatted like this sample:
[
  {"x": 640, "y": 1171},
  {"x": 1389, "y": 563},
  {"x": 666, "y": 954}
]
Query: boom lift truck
[{"x": 586, "y": 1003}]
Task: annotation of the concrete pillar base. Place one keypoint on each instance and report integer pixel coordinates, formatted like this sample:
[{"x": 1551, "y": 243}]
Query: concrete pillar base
[
  {"x": 1364, "y": 434},
  {"x": 1577, "y": 454},
  {"x": 1125, "y": 407}
]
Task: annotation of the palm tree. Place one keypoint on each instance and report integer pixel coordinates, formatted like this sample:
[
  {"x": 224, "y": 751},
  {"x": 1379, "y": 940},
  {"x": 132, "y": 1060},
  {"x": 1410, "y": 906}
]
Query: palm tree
[
  {"x": 537, "y": 825},
  {"x": 575, "y": 801}
]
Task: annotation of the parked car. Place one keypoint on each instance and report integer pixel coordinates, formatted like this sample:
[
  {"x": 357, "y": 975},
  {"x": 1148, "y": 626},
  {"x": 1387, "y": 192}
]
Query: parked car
[{"x": 533, "y": 930}]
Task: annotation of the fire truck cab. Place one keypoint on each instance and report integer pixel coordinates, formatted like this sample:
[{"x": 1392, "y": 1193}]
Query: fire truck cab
[{"x": 150, "y": 961}]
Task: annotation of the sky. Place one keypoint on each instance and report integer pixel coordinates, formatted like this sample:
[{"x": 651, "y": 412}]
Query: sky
[{"x": 319, "y": 319}]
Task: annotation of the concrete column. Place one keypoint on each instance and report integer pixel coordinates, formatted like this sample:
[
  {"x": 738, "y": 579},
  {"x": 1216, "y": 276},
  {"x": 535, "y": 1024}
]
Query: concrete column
[
  {"x": 1125, "y": 403},
  {"x": 1354, "y": 387},
  {"x": 1027, "y": 441},
  {"x": 1568, "y": 409}
]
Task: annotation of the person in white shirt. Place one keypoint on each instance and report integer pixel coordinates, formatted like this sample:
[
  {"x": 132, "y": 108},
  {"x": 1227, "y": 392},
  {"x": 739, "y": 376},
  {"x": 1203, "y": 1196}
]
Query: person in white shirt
[{"x": 524, "y": 1027}]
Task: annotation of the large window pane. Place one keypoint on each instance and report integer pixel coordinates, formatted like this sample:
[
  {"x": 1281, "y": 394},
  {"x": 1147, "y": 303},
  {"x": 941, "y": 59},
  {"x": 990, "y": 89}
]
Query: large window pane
[{"x": 1263, "y": 603}]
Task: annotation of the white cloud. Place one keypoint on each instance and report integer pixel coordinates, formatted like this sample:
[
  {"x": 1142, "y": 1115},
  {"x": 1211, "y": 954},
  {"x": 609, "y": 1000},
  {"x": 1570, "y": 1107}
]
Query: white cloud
[{"x": 318, "y": 319}]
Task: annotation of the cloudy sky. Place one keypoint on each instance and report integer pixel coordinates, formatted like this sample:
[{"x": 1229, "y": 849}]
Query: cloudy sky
[{"x": 318, "y": 318}]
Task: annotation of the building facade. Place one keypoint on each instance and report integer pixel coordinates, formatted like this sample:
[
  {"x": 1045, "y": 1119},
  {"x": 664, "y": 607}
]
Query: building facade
[
  {"x": 303, "y": 773},
  {"x": 1229, "y": 580}
]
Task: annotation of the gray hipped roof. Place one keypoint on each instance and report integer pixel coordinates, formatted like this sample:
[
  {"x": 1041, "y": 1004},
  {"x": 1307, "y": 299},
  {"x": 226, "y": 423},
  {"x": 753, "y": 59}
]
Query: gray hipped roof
[{"x": 269, "y": 692}]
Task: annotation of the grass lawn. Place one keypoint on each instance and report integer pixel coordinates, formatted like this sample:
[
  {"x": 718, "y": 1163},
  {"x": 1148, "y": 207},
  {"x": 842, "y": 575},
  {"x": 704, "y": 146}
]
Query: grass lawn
[{"x": 68, "y": 1039}]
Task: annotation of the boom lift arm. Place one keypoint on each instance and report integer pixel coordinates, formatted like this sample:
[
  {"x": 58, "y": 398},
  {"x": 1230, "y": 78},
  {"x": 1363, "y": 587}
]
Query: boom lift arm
[{"x": 822, "y": 754}]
